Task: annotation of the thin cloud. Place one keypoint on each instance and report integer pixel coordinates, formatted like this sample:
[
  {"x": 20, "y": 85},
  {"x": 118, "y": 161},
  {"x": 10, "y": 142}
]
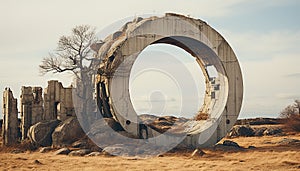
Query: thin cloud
[
  {"x": 288, "y": 96},
  {"x": 264, "y": 46},
  {"x": 294, "y": 75}
]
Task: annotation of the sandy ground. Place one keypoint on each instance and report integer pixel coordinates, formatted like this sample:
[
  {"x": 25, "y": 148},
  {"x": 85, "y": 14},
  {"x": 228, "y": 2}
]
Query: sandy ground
[{"x": 266, "y": 156}]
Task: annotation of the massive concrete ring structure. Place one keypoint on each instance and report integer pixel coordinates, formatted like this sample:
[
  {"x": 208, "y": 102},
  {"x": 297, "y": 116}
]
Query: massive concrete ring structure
[{"x": 224, "y": 93}]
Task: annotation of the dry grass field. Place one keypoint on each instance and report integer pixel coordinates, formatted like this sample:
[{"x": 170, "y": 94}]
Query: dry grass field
[{"x": 268, "y": 155}]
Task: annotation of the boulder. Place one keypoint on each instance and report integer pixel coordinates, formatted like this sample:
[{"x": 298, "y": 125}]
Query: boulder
[
  {"x": 86, "y": 143},
  {"x": 230, "y": 143},
  {"x": 118, "y": 150},
  {"x": 273, "y": 131},
  {"x": 259, "y": 121},
  {"x": 289, "y": 141},
  {"x": 61, "y": 151},
  {"x": 95, "y": 153},
  {"x": 67, "y": 132},
  {"x": 17, "y": 151},
  {"x": 259, "y": 131},
  {"x": 79, "y": 144},
  {"x": 164, "y": 123},
  {"x": 198, "y": 153},
  {"x": 251, "y": 147},
  {"x": 80, "y": 152},
  {"x": 126, "y": 149},
  {"x": 102, "y": 140},
  {"x": 40, "y": 133},
  {"x": 45, "y": 149},
  {"x": 37, "y": 162},
  {"x": 104, "y": 125},
  {"x": 228, "y": 146},
  {"x": 107, "y": 131},
  {"x": 241, "y": 130}
]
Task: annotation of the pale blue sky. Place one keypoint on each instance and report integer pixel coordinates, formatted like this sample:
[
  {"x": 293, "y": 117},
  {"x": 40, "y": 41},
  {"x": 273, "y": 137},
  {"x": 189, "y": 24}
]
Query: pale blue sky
[{"x": 264, "y": 34}]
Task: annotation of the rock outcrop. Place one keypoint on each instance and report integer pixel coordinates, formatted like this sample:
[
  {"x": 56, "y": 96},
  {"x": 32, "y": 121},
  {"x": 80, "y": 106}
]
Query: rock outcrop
[
  {"x": 259, "y": 121},
  {"x": 248, "y": 131},
  {"x": 165, "y": 123}
]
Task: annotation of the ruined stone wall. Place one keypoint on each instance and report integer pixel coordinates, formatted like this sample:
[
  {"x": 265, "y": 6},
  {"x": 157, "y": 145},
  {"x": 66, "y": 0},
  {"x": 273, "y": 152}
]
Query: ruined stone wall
[
  {"x": 58, "y": 101},
  {"x": 31, "y": 108},
  {"x": 56, "y": 104},
  {"x": 10, "y": 118}
]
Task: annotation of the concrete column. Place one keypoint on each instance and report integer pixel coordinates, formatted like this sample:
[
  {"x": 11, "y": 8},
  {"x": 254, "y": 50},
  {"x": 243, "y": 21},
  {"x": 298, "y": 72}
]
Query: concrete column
[
  {"x": 10, "y": 119},
  {"x": 31, "y": 108},
  {"x": 26, "y": 99}
]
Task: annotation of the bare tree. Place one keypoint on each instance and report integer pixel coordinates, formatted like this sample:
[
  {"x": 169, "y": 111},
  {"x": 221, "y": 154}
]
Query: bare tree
[
  {"x": 292, "y": 116},
  {"x": 290, "y": 110},
  {"x": 74, "y": 54},
  {"x": 297, "y": 105}
]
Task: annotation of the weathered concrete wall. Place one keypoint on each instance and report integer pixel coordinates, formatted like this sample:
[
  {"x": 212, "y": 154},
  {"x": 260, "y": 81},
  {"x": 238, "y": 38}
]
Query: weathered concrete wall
[
  {"x": 31, "y": 108},
  {"x": 58, "y": 103},
  {"x": 10, "y": 118},
  {"x": 224, "y": 92}
]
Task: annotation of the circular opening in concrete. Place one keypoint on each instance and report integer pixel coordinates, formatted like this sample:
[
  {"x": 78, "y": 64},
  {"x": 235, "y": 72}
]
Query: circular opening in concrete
[
  {"x": 223, "y": 82},
  {"x": 216, "y": 88},
  {"x": 165, "y": 80}
]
